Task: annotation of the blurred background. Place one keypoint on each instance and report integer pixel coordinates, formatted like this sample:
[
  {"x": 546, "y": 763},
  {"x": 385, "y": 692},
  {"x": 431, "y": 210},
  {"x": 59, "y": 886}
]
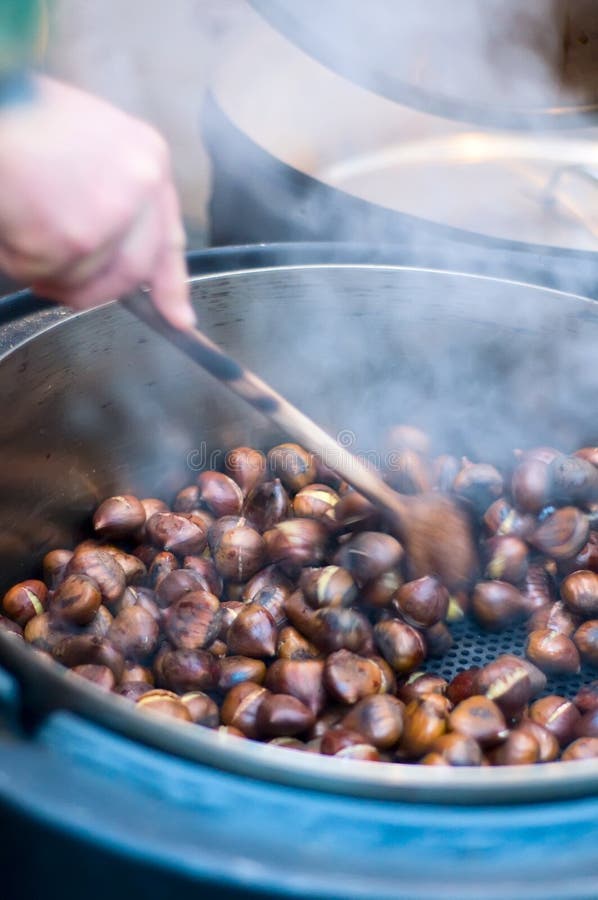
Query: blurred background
[{"x": 405, "y": 106}]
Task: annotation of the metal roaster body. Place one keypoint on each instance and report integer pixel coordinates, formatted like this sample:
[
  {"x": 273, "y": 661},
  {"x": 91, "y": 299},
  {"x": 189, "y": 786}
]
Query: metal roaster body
[{"x": 99, "y": 797}]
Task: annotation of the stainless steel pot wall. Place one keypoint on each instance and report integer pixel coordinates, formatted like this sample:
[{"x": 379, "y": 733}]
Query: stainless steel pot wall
[{"x": 97, "y": 404}]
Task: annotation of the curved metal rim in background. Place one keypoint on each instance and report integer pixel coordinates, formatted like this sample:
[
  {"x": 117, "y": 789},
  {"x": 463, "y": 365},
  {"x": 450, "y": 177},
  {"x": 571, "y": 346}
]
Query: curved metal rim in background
[
  {"x": 318, "y": 45},
  {"x": 47, "y": 686}
]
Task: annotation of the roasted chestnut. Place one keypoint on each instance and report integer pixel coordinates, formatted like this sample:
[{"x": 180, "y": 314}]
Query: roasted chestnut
[
  {"x": 552, "y": 652},
  {"x": 119, "y": 516},
  {"x": 246, "y": 466},
  {"x": 586, "y": 641},
  {"x": 295, "y": 466},
  {"x": 369, "y": 554},
  {"x": 423, "y": 602},
  {"x": 25, "y": 600},
  {"x": 580, "y": 592},
  {"x": 296, "y": 543},
  {"x": 402, "y": 647},
  {"x": 267, "y": 505},
  {"x": 329, "y": 586},
  {"x": 497, "y": 604}
]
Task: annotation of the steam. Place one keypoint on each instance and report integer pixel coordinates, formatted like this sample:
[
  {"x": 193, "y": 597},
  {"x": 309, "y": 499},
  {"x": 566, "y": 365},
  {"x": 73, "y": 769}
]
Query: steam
[{"x": 363, "y": 158}]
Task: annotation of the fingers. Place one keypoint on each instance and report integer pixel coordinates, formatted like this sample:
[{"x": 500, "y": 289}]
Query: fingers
[{"x": 170, "y": 289}]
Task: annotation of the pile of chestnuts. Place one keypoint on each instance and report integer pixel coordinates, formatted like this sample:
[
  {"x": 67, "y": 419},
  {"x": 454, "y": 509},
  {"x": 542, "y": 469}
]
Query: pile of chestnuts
[{"x": 269, "y": 601}]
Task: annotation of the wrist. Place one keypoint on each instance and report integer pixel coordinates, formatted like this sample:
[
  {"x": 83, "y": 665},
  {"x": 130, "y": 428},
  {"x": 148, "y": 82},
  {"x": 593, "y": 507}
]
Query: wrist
[{"x": 16, "y": 87}]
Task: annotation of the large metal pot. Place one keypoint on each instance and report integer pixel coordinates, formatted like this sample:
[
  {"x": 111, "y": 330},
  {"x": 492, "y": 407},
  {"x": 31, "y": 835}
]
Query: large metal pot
[{"x": 97, "y": 404}]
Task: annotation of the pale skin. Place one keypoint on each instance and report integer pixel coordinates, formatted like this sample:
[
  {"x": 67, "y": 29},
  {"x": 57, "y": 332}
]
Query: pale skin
[{"x": 88, "y": 208}]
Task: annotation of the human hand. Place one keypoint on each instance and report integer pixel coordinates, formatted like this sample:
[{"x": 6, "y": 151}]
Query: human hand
[{"x": 88, "y": 208}]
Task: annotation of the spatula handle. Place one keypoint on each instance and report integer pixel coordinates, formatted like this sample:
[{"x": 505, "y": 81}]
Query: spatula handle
[{"x": 243, "y": 382}]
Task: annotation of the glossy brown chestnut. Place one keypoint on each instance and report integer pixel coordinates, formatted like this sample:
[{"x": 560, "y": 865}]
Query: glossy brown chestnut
[
  {"x": 54, "y": 566},
  {"x": 349, "y": 677},
  {"x": 507, "y": 559},
  {"x": 219, "y": 494},
  {"x": 77, "y": 599},
  {"x": 537, "y": 588},
  {"x": 552, "y": 652},
  {"x": 419, "y": 684},
  {"x": 301, "y": 678},
  {"x": 246, "y": 466},
  {"x": 439, "y": 640},
  {"x": 562, "y": 534},
  {"x": 423, "y": 602},
  {"x": 502, "y": 519},
  {"x": 295, "y": 466},
  {"x": 193, "y": 621},
  {"x": 481, "y": 719},
  {"x": 177, "y": 533},
  {"x": 458, "y": 750},
  {"x": 587, "y": 558},
  {"x": 335, "y": 628},
  {"x": 497, "y": 605},
  {"x": 177, "y": 583},
  {"x": 316, "y": 501},
  {"x": 43, "y": 632},
  {"x": 554, "y": 616},
  {"x": 463, "y": 685},
  {"x": 101, "y": 676},
  {"x": 587, "y": 725},
  {"x": 296, "y": 543},
  {"x": 135, "y": 672},
  {"x": 187, "y": 670},
  {"x": 252, "y": 633},
  {"x": 379, "y": 718},
  {"x": 582, "y": 748},
  {"x": 274, "y": 600},
  {"x": 505, "y": 681},
  {"x": 202, "y": 709},
  {"x": 292, "y": 645},
  {"x": 187, "y": 500},
  {"x": 530, "y": 485},
  {"x": 134, "y": 632},
  {"x": 368, "y": 555},
  {"x": 25, "y": 600},
  {"x": 239, "y": 553},
  {"x": 519, "y": 749},
  {"x": 379, "y": 592},
  {"x": 347, "y": 744},
  {"x": 354, "y": 512},
  {"x": 119, "y": 516},
  {"x": 162, "y": 565},
  {"x": 580, "y": 593},
  {"x": 268, "y": 578},
  {"x": 241, "y": 706},
  {"x": 81, "y": 649},
  {"x": 267, "y": 505},
  {"x": 164, "y": 703},
  {"x": 134, "y": 568},
  {"x": 425, "y": 720},
  {"x": 557, "y": 714},
  {"x": 586, "y": 698},
  {"x": 328, "y": 586},
  {"x": 102, "y": 568},
  {"x": 548, "y": 746},
  {"x": 235, "y": 669},
  {"x": 586, "y": 641},
  {"x": 478, "y": 483},
  {"x": 283, "y": 715},
  {"x": 402, "y": 647},
  {"x": 573, "y": 480}
]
